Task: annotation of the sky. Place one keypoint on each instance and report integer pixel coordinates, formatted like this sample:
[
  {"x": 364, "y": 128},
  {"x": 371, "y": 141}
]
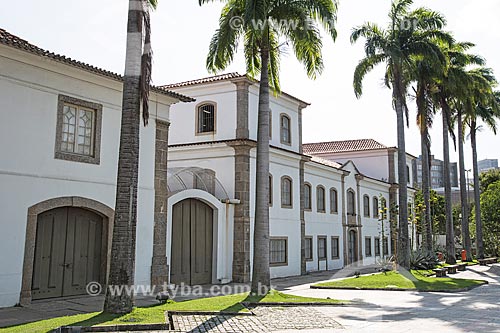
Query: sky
[{"x": 94, "y": 31}]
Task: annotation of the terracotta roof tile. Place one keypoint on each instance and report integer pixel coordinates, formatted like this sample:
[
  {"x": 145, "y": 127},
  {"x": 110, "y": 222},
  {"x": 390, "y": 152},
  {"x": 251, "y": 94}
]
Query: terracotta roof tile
[
  {"x": 342, "y": 146},
  {"x": 326, "y": 162},
  {"x": 14, "y": 41},
  {"x": 225, "y": 77},
  {"x": 210, "y": 79}
]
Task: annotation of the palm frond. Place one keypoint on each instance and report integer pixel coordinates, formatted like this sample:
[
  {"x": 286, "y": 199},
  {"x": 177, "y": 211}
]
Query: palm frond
[
  {"x": 363, "y": 67},
  {"x": 224, "y": 43}
]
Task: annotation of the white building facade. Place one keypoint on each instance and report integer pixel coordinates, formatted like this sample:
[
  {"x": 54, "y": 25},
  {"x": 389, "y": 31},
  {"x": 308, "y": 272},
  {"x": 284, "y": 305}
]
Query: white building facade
[{"x": 59, "y": 134}]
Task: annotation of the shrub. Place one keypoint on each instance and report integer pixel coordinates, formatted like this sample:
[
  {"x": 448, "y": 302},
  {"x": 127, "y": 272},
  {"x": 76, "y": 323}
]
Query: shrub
[{"x": 421, "y": 260}]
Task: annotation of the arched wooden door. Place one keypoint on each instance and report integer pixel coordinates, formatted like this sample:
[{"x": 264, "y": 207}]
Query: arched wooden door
[
  {"x": 67, "y": 252},
  {"x": 192, "y": 243}
]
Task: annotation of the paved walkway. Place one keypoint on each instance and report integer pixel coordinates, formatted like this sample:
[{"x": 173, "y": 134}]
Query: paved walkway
[
  {"x": 266, "y": 319},
  {"x": 400, "y": 311}
]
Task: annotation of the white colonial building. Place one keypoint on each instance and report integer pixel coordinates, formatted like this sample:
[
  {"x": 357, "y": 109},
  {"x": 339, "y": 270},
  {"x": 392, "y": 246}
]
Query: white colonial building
[
  {"x": 59, "y": 138},
  {"x": 324, "y": 202}
]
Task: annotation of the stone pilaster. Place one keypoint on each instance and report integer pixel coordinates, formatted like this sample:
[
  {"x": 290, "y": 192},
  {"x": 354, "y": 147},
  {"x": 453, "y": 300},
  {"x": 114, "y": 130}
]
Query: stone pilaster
[
  {"x": 359, "y": 231},
  {"x": 303, "y": 268},
  {"x": 159, "y": 266},
  {"x": 242, "y": 93},
  {"x": 241, "y": 240}
]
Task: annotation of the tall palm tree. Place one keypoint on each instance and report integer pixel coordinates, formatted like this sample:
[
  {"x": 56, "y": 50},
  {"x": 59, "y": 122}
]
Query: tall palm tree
[
  {"x": 474, "y": 80},
  {"x": 484, "y": 105},
  {"x": 135, "y": 92},
  {"x": 424, "y": 73},
  {"x": 409, "y": 34},
  {"x": 450, "y": 85},
  {"x": 261, "y": 37}
]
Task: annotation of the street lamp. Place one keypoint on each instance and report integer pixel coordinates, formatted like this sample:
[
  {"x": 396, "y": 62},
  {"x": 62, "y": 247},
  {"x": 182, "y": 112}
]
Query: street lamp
[{"x": 468, "y": 184}]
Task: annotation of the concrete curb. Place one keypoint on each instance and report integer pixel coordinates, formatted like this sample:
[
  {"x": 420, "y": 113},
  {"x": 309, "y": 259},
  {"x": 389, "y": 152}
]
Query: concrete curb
[
  {"x": 403, "y": 289},
  {"x": 253, "y": 305},
  {"x": 113, "y": 328}
]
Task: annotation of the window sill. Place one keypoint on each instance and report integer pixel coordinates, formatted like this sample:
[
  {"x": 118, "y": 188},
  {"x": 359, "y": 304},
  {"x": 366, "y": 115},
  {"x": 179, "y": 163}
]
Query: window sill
[
  {"x": 65, "y": 156},
  {"x": 278, "y": 264}
]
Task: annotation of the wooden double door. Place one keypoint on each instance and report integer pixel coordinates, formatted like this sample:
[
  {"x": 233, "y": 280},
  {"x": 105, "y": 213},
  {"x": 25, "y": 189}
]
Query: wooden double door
[
  {"x": 192, "y": 243},
  {"x": 68, "y": 252}
]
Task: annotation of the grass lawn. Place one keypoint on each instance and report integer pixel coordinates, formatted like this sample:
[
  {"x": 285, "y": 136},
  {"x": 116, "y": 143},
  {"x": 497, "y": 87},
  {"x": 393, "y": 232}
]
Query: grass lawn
[
  {"x": 156, "y": 314},
  {"x": 418, "y": 280}
]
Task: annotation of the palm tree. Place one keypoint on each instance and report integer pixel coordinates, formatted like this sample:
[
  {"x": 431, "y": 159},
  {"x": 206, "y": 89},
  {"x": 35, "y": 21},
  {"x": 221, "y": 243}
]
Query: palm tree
[
  {"x": 475, "y": 81},
  {"x": 484, "y": 104},
  {"x": 425, "y": 73},
  {"x": 409, "y": 34},
  {"x": 135, "y": 92},
  {"x": 261, "y": 37},
  {"x": 450, "y": 85}
]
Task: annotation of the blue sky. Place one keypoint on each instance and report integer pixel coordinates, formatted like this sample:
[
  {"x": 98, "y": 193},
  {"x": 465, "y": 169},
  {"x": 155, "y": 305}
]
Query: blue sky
[{"x": 94, "y": 31}]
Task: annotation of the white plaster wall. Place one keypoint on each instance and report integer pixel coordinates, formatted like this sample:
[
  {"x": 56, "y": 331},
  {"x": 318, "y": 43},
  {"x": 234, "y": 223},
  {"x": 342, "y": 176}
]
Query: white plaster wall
[
  {"x": 372, "y": 227},
  {"x": 284, "y": 222},
  {"x": 217, "y": 157},
  {"x": 29, "y": 173},
  {"x": 279, "y": 105},
  {"x": 374, "y": 163},
  {"x": 183, "y": 116},
  {"x": 324, "y": 224}
]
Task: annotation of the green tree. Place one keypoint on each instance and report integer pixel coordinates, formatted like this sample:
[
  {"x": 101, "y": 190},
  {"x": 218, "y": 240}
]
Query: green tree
[
  {"x": 490, "y": 201},
  {"x": 135, "y": 92},
  {"x": 425, "y": 71},
  {"x": 438, "y": 208},
  {"x": 476, "y": 81},
  {"x": 261, "y": 36},
  {"x": 451, "y": 85},
  {"x": 485, "y": 106},
  {"x": 409, "y": 34},
  {"x": 487, "y": 178}
]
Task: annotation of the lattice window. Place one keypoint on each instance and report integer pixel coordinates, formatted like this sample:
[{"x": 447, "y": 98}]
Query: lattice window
[
  {"x": 334, "y": 206},
  {"x": 309, "y": 248},
  {"x": 307, "y": 196},
  {"x": 206, "y": 118},
  {"x": 335, "y": 247},
  {"x": 78, "y": 132},
  {"x": 285, "y": 130},
  {"x": 286, "y": 192},
  {"x": 278, "y": 251}
]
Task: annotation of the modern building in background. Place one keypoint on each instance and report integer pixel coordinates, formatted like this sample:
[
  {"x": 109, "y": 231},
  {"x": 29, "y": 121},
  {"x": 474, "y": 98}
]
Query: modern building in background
[
  {"x": 487, "y": 164},
  {"x": 437, "y": 173}
]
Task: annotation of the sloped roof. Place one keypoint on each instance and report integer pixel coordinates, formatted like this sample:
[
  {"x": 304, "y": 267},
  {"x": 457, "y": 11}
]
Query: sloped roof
[
  {"x": 209, "y": 79},
  {"x": 224, "y": 77},
  {"x": 326, "y": 162},
  {"x": 14, "y": 41},
  {"x": 342, "y": 146}
]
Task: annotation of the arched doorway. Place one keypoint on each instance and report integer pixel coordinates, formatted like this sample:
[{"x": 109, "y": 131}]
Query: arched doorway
[
  {"x": 352, "y": 247},
  {"x": 192, "y": 243},
  {"x": 83, "y": 207},
  {"x": 68, "y": 250}
]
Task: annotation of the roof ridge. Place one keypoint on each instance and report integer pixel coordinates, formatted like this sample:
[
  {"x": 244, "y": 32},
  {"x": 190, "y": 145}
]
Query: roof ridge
[
  {"x": 11, "y": 40},
  {"x": 207, "y": 79}
]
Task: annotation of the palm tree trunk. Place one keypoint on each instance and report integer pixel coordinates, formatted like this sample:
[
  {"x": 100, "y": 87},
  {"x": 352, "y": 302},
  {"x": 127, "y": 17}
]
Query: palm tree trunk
[
  {"x": 122, "y": 263},
  {"x": 477, "y": 201},
  {"x": 450, "y": 233},
  {"x": 261, "y": 282},
  {"x": 463, "y": 189},
  {"x": 403, "y": 238},
  {"x": 426, "y": 192},
  {"x": 424, "y": 145}
]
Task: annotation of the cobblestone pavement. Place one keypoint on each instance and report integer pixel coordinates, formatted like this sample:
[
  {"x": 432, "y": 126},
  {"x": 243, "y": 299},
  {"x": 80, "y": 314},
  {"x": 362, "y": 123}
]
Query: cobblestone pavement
[{"x": 265, "y": 320}]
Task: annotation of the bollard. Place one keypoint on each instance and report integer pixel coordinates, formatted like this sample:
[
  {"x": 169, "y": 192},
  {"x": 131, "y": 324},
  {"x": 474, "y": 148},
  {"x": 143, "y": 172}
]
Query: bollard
[{"x": 464, "y": 255}]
